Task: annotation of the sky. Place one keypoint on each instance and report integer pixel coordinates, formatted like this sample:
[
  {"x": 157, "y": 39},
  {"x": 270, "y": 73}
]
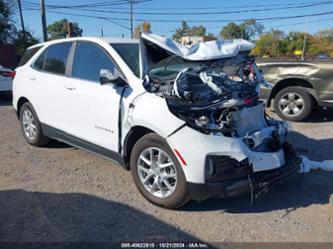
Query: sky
[{"x": 208, "y": 14}]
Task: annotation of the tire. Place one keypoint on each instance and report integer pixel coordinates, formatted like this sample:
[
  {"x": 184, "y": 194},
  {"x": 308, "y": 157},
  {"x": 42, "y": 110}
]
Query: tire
[
  {"x": 34, "y": 134},
  {"x": 293, "y": 103},
  {"x": 152, "y": 144}
]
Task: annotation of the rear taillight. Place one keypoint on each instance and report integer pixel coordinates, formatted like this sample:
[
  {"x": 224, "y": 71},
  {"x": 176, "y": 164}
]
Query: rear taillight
[
  {"x": 8, "y": 74},
  {"x": 12, "y": 74}
]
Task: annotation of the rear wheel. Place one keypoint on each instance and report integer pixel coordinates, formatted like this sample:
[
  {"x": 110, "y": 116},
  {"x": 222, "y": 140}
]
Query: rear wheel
[
  {"x": 293, "y": 103},
  {"x": 31, "y": 127},
  {"x": 157, "y": 172}
]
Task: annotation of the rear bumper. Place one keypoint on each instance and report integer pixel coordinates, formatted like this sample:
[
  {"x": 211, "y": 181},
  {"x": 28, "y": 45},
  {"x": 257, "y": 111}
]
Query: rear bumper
[{"x": 260, "y": 181}]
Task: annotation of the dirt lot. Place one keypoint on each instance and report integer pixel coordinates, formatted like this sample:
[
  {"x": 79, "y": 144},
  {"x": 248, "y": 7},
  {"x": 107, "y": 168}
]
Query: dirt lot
[{"x": 60, "y": 193}]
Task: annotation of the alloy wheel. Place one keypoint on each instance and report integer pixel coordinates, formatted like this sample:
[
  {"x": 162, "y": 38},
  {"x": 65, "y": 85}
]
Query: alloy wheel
[
  {"x": 157, "y": 172},
  {"x": 291, "y": 104},
  {"x": 29, "y": 124}
]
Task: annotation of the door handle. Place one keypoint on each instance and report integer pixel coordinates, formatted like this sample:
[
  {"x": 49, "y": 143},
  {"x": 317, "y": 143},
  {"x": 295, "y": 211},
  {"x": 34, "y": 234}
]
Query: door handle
[
  {"x": 70, "y": 87},
  {"x": 32, "y": 77}
]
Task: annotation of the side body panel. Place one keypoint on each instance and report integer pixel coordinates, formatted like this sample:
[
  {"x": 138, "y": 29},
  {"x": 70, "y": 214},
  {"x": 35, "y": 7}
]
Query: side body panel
[
  {"x": 317, "y": 73},
  {"x": 152, "y": 112},
  {"x": 46, "y": 93},
  {"x": 92, "y": 112}
]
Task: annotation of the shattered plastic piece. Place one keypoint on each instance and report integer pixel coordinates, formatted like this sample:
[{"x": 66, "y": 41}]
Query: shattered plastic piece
[
  {"x": 209, "y": 81},
  {"x": 175, "y": 85},
  {"x": 308, "y": 165}
]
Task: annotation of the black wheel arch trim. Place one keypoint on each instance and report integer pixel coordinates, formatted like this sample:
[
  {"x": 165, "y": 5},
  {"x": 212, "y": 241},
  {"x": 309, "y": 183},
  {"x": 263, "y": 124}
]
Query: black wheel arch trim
[{"x": 132, "y": 136}]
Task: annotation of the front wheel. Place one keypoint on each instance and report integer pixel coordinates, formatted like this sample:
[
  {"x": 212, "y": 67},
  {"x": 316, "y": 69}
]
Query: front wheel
[
  {"x": 293, "y": 103},
  {"x": 157, "y": 172}
]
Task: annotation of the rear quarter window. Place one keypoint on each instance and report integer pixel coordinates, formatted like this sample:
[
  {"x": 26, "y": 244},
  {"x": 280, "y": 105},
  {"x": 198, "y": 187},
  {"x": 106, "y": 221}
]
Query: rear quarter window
[
  {"x": 28, "y": 55},
  {"x": 54, "y": 58}
]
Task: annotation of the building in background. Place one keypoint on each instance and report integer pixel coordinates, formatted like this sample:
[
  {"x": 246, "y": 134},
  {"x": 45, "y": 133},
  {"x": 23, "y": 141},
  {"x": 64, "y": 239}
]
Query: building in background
[
  {"x": 8, "y": 56},
  {"x": 190, "y": 40}
]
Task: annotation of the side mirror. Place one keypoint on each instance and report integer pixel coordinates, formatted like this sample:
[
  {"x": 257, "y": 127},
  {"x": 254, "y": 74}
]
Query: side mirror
[{"x": 106, "y": 76}]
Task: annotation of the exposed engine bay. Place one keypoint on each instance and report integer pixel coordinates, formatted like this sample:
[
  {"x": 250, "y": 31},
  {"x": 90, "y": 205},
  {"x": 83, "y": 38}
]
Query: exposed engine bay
[
  {"x": 214, "y": 87},
  {"x": 213, "y": 96}
]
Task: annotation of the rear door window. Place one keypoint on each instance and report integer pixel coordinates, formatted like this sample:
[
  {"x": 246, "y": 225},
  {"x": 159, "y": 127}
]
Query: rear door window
[
  {"x": 88, "y": 60},
  {"x": 54, "y": 58}
]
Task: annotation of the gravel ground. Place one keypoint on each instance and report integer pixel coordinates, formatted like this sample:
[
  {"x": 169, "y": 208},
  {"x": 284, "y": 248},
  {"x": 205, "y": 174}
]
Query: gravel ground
[{"x": 60, "y": 193}]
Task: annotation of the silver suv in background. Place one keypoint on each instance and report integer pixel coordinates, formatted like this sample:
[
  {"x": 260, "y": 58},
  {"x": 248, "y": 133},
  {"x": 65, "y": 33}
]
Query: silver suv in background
[{"x": 298, "y": 86}]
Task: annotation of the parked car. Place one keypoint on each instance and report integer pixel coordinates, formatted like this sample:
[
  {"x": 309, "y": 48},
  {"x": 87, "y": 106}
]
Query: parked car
[
  {"x": 6, "y": 77},
  {"x": 187, "y": 122},
  {"x": 299, "y": 86}
]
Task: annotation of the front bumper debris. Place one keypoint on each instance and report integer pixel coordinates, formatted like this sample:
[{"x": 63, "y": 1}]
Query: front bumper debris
[{"x": 255, "y": 183}]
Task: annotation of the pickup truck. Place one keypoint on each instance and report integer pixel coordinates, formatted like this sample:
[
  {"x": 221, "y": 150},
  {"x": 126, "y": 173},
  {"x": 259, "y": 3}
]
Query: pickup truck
[{"x": 298, "y": 86}]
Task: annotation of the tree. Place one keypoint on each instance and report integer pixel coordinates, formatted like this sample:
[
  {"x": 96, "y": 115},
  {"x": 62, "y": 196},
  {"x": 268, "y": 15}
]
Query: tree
[
  {"x": 210, "y": 37},
  {"x": 321, "y": 43},
  {"x": 276, "y": 43},
  {"x": 231, "y": 31},
  {"x": 294, "y": 41},
  {"x": 270, "y": 44},
  {"x": 181, "y": 31},
  {"x": 196, "y": 31},
  {"x": 7, "y": 27},
  {"x": 22, "y": 44},
  {"x": 247, "y": 30},
  {"x": 137, "y": 31},
  {"x": 251, "y": 29},
  {"x": 144, "y": 27},
  {"x": 59, "y": 29}
]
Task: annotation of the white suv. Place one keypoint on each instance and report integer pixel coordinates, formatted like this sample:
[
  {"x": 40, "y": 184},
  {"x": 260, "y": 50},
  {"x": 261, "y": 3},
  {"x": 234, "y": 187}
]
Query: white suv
[
  {"x": 186, "y": 121},
  {"x": 6, "y": 77}
]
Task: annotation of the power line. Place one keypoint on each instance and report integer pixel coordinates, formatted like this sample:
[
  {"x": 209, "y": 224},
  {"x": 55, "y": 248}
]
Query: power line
[
  {"x": 93, "y": 5},
  {"x": 96, "y": 17},
  {"x": 202, "y": 20},
  {"x": 195, "y": 13},
  {"x": 117, "y": 23},
  {"x": 300, "y": 23},
  {"x": 100, "y": 4},
  {"x": 131, "y": 2},
  {"x": 116, "y": 20},
  {"x": 105, "y": 4}
]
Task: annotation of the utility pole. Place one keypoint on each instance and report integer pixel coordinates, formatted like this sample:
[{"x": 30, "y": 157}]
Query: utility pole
[
  {"x": 304, "y": 41},
  {"x": 131, "y": 13},
  {"x": 70, "y": 30},
  {"x": 43, "y": 16},
  {"x": 22, "y": 22}
]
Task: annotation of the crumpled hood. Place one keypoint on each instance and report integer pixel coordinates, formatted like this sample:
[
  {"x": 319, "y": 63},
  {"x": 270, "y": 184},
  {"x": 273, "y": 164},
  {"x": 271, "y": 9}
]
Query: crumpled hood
[
  {"x": 154, "y": 46},
  {"x": 209, "y": 50}
]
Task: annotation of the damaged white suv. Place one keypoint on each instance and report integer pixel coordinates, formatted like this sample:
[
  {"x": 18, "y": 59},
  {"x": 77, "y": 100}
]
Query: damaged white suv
[{"x": 186, "y": 121}]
